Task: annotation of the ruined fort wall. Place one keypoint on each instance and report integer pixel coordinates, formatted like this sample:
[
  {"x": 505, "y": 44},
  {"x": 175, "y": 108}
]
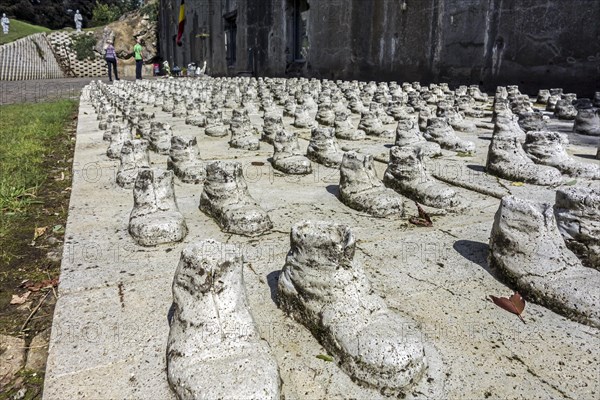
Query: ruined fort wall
[{"x": 534, "y": 43}]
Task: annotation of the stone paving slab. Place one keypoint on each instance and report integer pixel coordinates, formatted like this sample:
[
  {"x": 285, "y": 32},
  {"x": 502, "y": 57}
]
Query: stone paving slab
[{"x": 117, "y": 303}]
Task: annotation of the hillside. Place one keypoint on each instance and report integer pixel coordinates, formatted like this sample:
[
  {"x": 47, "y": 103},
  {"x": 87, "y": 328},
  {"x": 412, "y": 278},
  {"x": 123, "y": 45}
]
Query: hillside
[{"x": 19, "y": 29}]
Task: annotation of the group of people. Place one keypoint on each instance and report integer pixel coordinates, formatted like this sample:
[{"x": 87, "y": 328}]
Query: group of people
[{"x": 110, "y": 56}]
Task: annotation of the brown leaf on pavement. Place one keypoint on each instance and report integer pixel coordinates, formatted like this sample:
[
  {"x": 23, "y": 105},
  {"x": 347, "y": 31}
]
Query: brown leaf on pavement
[
  {"x": 423, "y": 219},
  {"x": 514, "y": 304}
]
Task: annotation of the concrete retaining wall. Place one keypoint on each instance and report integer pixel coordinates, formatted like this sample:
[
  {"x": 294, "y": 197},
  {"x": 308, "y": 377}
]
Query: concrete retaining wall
[
  {"x": 61, "y": 42},
  {"x": 28, "y": 58}
]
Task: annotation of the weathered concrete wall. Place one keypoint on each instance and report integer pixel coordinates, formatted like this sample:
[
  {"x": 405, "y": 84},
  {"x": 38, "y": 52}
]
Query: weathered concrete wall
[{"x": 533, "y": 43}]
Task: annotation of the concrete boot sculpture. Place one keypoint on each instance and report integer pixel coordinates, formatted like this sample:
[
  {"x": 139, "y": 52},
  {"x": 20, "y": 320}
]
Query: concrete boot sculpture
[
  {"x": 362, "y": 190},
  {"x": 117, "y": 138},
  {"x": 214, "y": 350},
  {"x": 323, "y": 148},
  {"x": 344, "y": 128},
  {"x": 155, "y": 218},
  {"x": 408, "y": 134},
  {"x": 303, "y": 118},
  {"x": 528, "y": 250},
  {"x": 507, "y": 159},
  {"x": 214, "y": 124},
  {"x": 407, "y": 175},
  {"x": 532, "y": 121},
  {"x": 326, "y": 114},
  {"x": 272, "y": 125},
  {"x": 587, "y": 122},
  {"x": 322, "y": 287},
  {"x": 134, "y": 158},
  {"x": 287, "y": 156},
  {"x": 577, "y": 211},
  {"x": 243, "y": 134},
  {"x": 184, "y": 159},
  {"x": 548, "y": 148},
  {"x": 160, "y": 137},
  {"x": 226, "y": 199},
  {"x": 439, "y": 131},
  {"x": 372, "y": 125}
]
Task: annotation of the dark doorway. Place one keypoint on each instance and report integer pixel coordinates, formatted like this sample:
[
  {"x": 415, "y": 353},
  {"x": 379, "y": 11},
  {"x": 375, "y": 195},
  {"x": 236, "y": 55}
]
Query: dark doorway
[
  {"x": 299, "y": 38},
  {"x": 230, "y": 37}
]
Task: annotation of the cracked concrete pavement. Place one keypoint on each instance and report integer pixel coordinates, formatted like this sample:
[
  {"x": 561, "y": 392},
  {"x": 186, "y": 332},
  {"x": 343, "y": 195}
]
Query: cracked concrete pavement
[{"x": 110, "y": 328}]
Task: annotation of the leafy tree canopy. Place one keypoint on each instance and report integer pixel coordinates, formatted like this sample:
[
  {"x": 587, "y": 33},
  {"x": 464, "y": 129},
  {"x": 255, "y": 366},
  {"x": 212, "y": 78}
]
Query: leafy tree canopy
[{"x": 57, "y": 14}]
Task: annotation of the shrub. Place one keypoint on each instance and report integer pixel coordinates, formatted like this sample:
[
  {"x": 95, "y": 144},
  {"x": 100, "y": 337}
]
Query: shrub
[
  {"x": 104, "y": 14},
  {"x": 151, "y": 10},
  {"x": 83, "y": 45}
]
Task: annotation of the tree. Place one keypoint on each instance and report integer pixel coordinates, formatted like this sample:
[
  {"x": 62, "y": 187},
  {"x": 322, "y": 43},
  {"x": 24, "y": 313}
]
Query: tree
[{"x": 56, "y": 14}]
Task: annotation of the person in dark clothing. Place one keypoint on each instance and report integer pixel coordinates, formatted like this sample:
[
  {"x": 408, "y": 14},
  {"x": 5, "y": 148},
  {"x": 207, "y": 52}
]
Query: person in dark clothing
[{"x": 111, "y": 60}]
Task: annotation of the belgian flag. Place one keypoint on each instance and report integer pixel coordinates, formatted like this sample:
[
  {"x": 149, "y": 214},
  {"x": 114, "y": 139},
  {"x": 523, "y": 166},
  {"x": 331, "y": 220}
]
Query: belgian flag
[{"x": 181, "y": 22}]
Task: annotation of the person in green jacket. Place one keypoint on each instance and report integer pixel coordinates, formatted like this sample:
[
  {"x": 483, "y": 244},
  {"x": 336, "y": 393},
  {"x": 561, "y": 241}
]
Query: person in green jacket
[{"x": 137, "y": 53}]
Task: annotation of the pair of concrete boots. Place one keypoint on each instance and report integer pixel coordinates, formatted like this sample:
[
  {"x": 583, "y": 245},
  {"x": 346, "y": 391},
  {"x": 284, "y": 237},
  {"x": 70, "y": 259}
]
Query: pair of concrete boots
[
  {"x": 551, "y": 253},
  {"x": 215, "y": 351},
  {"x": 537, "y": 157}
]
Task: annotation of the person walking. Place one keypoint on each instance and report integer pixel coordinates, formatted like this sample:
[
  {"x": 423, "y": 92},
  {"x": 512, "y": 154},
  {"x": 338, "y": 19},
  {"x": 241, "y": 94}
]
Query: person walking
[
  {"x": 111, "y": 60},
  {"x": 139, "y": 60},
  {"x": 5, "y": 24}
]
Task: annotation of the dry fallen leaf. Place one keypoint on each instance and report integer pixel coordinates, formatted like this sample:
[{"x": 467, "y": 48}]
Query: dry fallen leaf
[
  {"x": 39, "y": 232},
  {"x": 45, "y": 284},
  {"x": 423, "y": 218},
  {"x": 517, "y": 184},
  {"x": 16, "y": 299},
  {"x": 514, "y": 304}
]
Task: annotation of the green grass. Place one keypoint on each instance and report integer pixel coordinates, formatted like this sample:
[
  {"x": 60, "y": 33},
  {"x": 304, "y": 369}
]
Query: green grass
[
  {"x": 19, "y": 29},
  {"x": 27, "y": 134}
]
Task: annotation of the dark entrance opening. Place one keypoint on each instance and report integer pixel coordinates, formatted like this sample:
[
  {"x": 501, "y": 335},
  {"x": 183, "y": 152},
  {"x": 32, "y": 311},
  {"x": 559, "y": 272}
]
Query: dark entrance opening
[{"x": 230, "y": 37}]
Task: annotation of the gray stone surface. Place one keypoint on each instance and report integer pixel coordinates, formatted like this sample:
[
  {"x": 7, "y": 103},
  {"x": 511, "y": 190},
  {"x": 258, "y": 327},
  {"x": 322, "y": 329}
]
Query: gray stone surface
[
  {"x": 587, "y": 122},
  {"x": 408, "y": 134},
  {"x": 214, "y": 349},
  {"x": 110, "y": 328},
  {"x": 322, "y": 287},
  {"x": 37, "y": 353},
  {"x": 528, "y": 250},
  {"x": 160, "y": 137}
]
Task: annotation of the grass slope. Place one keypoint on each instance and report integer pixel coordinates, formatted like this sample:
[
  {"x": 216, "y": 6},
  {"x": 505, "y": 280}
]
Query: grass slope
[
  {"x": 19, "y": 29},
  {"x": 27, "y": 137},
  {"x": 36, "y": 150}
]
